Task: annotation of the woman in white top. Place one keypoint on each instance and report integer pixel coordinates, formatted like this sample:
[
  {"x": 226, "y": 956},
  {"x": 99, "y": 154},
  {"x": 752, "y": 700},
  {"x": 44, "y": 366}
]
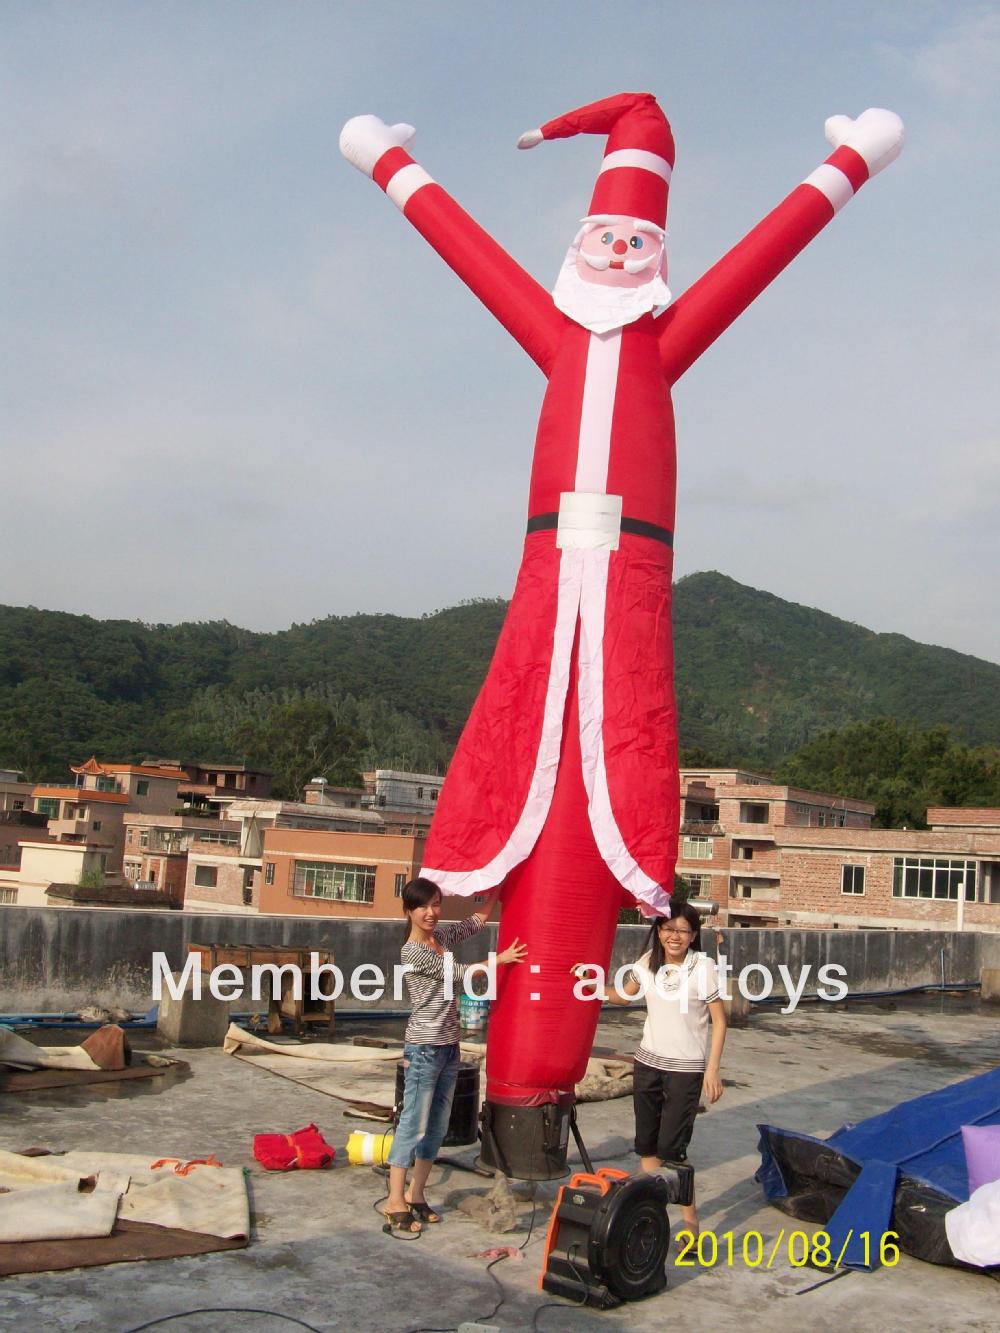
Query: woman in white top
[{"x": 676, "y": 1061}]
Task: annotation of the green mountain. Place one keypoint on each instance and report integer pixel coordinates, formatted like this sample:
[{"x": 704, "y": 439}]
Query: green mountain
[{"x": 757, "y": 678}]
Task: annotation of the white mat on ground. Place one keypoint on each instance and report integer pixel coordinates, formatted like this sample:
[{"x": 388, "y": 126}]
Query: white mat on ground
[
  {"x": 238, "y": 1039},
  {"x": 16, "y": 1053},
  {"x": 46, "y": 1201},
  {"x": 362, "y": 1076}
]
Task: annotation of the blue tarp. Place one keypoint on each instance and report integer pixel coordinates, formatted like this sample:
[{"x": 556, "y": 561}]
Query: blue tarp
[{"x": 919, "y": 1140}]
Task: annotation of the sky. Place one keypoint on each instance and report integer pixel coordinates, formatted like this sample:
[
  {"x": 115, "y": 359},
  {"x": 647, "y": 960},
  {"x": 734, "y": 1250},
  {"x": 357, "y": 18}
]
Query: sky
[{"x": 237, "y": 385}]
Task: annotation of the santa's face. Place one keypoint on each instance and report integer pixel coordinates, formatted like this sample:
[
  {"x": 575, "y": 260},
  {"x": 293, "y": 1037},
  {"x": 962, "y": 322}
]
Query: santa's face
[
  {"x": 617, "y": 254},
  {"x": 614, "y": 272}
]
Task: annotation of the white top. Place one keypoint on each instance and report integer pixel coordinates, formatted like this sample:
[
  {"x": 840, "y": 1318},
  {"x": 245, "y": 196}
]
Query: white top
[{"x": 676, "y": 1035}]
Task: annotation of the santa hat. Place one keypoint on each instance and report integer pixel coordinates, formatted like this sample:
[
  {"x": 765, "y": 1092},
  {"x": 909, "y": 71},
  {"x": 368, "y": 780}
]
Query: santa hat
[{"x": 638, "y": 158}]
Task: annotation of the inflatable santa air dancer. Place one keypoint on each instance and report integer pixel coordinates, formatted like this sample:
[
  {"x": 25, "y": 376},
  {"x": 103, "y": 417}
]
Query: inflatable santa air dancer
[{"x": 564, "y": 785}]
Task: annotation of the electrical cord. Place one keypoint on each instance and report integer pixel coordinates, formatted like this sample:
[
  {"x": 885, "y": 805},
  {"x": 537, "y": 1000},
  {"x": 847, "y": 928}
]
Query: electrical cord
[
  {"x": 560, "y": 1305},
  {"x": 223, "y": 1309},
  {"x": 453, "y": 1328}
]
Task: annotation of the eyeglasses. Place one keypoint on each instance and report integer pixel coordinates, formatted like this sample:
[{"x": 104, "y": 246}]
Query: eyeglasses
[{"x": 672, "y": 930}]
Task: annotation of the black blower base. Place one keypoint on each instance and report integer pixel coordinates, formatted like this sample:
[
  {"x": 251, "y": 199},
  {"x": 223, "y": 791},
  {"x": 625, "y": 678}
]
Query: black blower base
[{"x": 608, "y": 1239}]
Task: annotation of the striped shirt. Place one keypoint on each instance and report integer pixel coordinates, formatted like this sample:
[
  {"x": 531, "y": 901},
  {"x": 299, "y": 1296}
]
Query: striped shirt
[
  {"x": 433, "y": 1013},
  {"x": 676, "y": 1035}
]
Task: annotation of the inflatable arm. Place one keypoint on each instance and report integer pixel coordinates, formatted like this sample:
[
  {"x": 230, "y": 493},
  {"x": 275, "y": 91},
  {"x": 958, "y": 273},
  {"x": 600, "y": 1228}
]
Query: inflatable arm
[
  {"x": 521, "y": 304},
  {"x": 862, "y": 148}
]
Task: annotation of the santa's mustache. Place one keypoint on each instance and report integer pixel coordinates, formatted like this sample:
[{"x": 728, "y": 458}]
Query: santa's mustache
[{"x": 603, "y": 262}]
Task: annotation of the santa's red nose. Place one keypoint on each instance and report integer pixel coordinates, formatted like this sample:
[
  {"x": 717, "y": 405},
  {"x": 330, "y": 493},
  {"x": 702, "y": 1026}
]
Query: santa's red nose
[{"x": 619, "y": 247}]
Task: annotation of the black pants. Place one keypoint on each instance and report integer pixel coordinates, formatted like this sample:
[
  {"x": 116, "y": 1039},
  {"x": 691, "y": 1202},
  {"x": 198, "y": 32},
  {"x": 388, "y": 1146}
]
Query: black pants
[{"x": 665, "y": 1107}]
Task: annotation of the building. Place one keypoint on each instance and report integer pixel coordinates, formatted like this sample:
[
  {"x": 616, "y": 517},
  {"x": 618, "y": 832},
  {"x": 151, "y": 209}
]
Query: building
[
  {"x": 321, "y": 792},
  {"x": 15, "y": 792},
  {"x": 393, "y": 789},
  {"x": 947, "y": 876},
  {"x": 45, "y": 862},
  {"x": 771, "y": 855},
  {"x": 84, "y": 817},
  {"x": 337, "y": 873},
  {"x": 149, "y": 787},
  {"x": 729, "y": 822},
  {"x": 17, "y": 827},
  {"x": 224, "y": 870},
  {"x": 207, "y": 789},
  {"x": 156, "y": 848}
]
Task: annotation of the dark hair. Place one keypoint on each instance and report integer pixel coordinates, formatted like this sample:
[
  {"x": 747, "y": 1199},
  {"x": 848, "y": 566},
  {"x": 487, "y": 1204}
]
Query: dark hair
[
  {"x": 685, "y": 912},
  {"x": 418, "y": 893}
]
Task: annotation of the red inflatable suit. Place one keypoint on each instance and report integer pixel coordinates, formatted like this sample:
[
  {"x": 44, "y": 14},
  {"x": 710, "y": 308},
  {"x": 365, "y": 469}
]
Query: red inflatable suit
[{"x": 564, "y": 784}]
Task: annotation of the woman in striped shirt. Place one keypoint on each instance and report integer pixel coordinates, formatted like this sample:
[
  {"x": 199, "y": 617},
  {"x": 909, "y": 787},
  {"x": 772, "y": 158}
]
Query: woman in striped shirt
[
  {"x": 675, "y": 1061},
  {"x": 430, "y": 1051}
]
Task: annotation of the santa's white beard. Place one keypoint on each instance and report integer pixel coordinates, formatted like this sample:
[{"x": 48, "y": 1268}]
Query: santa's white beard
[{"x": 601, "y": 308}]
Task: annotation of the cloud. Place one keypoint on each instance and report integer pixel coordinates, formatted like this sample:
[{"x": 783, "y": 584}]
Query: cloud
[{"x": 963, "y": 64}]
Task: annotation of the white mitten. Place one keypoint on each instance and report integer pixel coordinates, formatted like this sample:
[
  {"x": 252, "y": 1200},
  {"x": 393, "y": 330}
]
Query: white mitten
[
  {"x": 876, "y": 135},
  {"x": 364, "y": 139}
]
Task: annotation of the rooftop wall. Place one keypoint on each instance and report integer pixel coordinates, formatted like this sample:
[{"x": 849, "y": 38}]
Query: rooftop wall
[{"x": 57, "y": 959}]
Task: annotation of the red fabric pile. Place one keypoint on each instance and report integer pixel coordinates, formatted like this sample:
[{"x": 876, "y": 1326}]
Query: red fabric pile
[{"x": 305, "y": 1149}]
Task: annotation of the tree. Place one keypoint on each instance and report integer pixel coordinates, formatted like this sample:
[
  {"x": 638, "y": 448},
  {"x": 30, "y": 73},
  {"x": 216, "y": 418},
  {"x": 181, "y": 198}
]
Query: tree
[
  {"x": 298, "y": 741},
  {"x": 899, "y": 768}
]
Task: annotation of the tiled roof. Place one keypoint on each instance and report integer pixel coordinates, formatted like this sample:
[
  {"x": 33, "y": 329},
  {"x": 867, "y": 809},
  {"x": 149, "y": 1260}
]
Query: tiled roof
[
  {"x": 82, "y": 795},
  {"x": 93, "y": 766}
]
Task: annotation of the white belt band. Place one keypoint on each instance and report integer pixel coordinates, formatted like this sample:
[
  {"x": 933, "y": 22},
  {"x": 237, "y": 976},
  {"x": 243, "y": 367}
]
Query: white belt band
[{"x": 588, "y": 521}]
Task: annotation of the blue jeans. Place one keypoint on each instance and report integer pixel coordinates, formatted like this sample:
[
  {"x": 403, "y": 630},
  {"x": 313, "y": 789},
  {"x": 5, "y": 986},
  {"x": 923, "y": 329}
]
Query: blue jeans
[{"x": 431, "y": 1074}]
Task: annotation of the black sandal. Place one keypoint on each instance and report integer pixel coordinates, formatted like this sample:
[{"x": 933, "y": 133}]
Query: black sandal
[
  {"x": 401, "y": 1221},
  {"x": 425, "y": 1212}
]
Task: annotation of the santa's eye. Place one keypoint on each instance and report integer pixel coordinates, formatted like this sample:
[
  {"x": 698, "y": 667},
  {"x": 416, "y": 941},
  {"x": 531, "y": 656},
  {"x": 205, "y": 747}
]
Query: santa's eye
[
  {"x": 607, "y": 237},
  {"x": 636, "y": 242}
]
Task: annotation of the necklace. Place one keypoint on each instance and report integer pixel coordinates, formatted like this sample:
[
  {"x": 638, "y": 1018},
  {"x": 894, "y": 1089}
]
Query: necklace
[{"x": 671, "y": 975}]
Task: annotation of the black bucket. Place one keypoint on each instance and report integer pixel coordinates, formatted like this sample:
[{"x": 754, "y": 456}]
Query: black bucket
[
  {"x": 526, "y": 1142},
  {"x": 463, "y": 1127}
]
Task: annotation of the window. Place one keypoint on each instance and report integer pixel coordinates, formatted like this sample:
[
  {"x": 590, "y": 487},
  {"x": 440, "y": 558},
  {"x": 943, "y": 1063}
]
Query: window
[
  {"x": 97, "y": 826},
  {"x": 326, "y": 879},
  {"x": 47, "y": 806},
  {"x": 16, "y": 805},
  {"x": 400, "y": 885},
  {"x": 206, "y": 876},
  {"x": 144, "y": 837},
  {"x": 698, "y": 886},
  {"x": 852, "y": 879},
  {"x": 129, "y": 834},
  {"x": 697, "y": 849},
  {"x": 420, "y": 793},
  {"x": 269, "y": 873},
  {"x": 922, "y": 877},
  {"x": 751, "y": 812},
  {"x": 744, "y": 853},
  {"x": 142, "y": 787},
  {"x": 8, "y": 895},
  {"x": 434, "y": 794},
  {"x": 106, "y": 784}
]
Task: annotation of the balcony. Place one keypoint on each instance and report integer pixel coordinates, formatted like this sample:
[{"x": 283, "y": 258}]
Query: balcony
[
  {"x": 218, "y": 847},
  {"x": 701, "y": 828},
  {"x": 751, "y": 832}
]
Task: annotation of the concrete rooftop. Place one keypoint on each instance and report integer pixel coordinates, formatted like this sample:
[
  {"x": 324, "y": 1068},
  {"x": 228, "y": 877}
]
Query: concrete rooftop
[{"x": 318, "y": 1254}]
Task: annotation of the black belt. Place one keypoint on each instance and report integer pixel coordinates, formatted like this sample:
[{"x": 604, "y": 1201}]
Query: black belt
[{"x": 637, "y": 526}]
